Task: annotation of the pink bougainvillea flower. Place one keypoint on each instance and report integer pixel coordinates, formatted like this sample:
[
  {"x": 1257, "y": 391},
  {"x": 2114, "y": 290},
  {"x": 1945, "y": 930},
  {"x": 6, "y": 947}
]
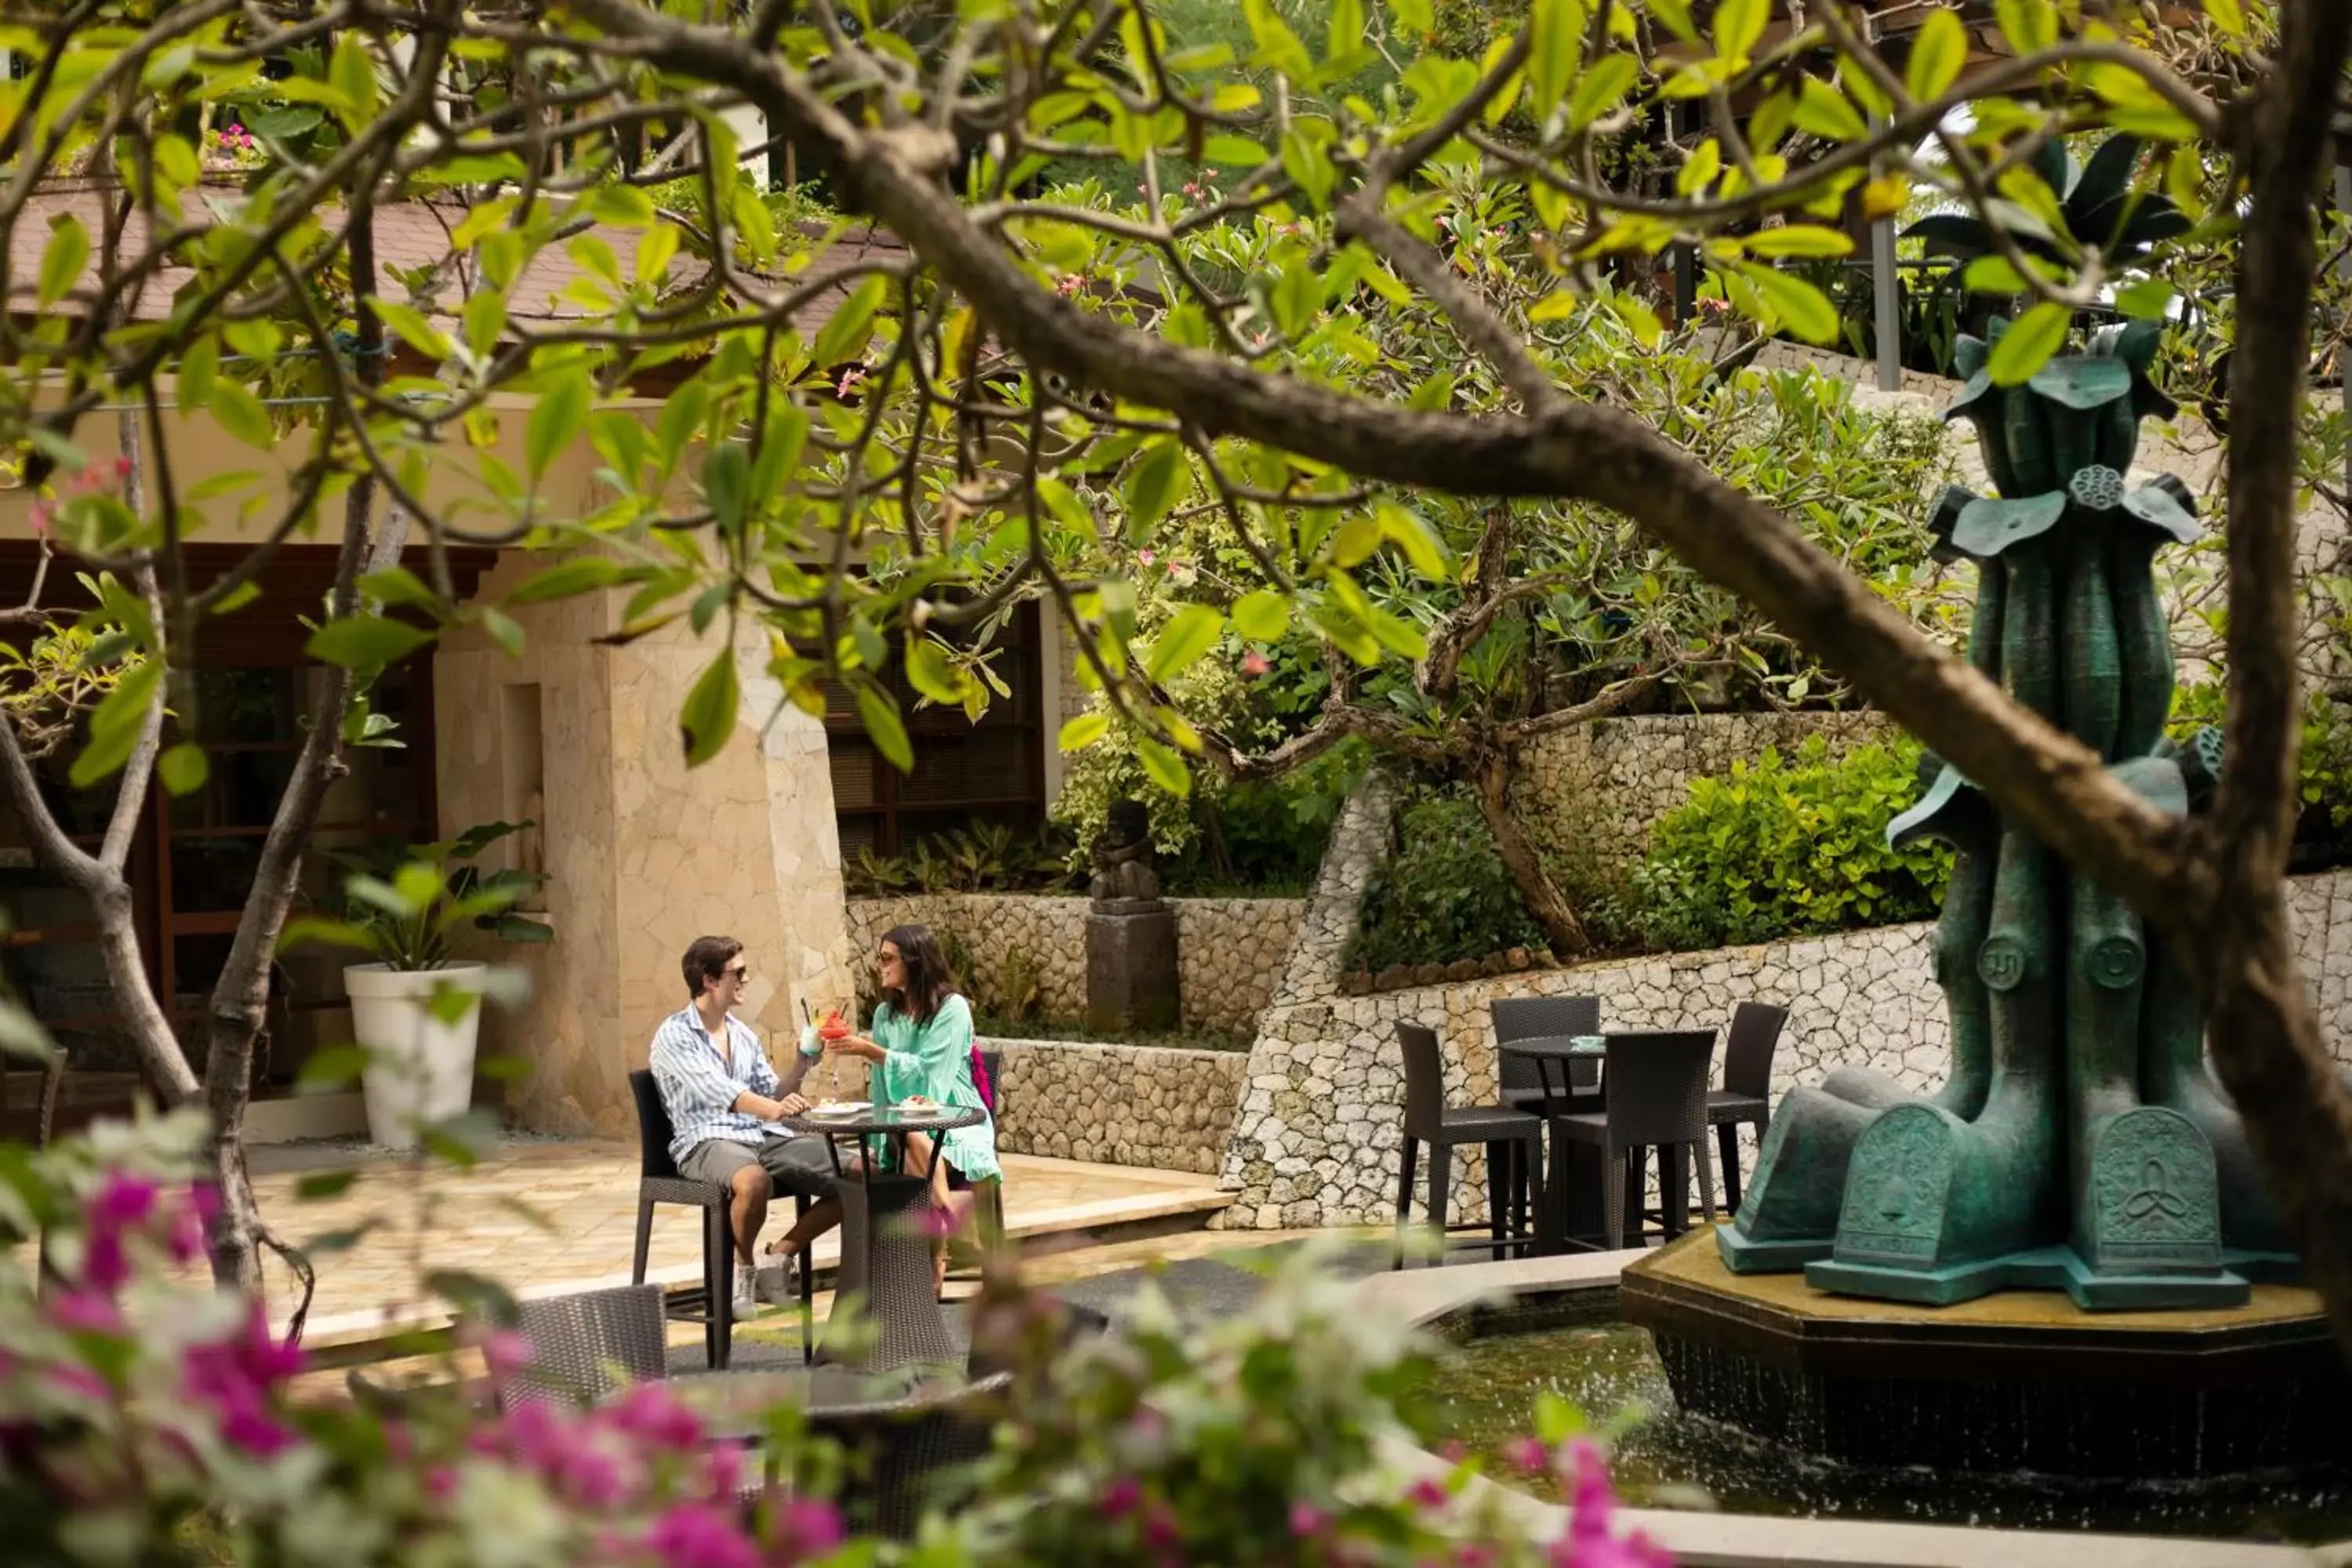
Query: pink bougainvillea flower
[
  {"x": 1306, "y": 1520},
  {"x": 239, "y": 1378},
  {"x": 505, "y": 1354},
  {"x": 651, "y": 1414},
  {"x": 1255, "y": 664},
  {"x": 697, "y": 1535},
  {"x": 1529, "y": 1454},
  {"x": 91, "y": 1312},
  {"x": 1120, "y": 1496},
  {"x": 1161, "y": 1530},
  {"x": 1147, "y": 557},
  {"x": 1426, "y": 1493},
  {"x": 806, "y": 1527}
]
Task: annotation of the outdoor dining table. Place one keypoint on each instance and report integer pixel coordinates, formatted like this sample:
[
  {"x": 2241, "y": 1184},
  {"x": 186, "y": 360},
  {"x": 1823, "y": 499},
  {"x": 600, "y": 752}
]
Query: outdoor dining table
[
  {"x": 885, "y": 1250},
  {"x": 733, "y": 1406},
  {"x": 1571, "y": 1213}
]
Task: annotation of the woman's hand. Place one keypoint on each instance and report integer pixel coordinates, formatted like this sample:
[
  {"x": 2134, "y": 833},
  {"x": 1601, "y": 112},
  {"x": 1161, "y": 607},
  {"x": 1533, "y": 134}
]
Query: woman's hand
[{"x": 856, "y": 1046}]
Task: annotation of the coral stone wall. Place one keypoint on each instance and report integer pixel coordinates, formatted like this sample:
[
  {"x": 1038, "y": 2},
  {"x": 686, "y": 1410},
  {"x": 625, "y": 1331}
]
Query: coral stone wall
[
  {"x": 1118, "y": 1105},
  {"x": 1593, "y": 792},
  {"x": 1317, "y": 1139},
  {"x": 1230, "y": 952}
]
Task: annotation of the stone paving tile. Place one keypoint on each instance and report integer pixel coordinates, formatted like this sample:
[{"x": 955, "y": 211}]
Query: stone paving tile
[{"x": 415, "y": 1216}]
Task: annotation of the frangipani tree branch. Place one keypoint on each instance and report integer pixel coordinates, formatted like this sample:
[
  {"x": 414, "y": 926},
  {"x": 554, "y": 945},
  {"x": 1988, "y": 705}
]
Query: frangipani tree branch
[{"x": 1576, "y": 452}]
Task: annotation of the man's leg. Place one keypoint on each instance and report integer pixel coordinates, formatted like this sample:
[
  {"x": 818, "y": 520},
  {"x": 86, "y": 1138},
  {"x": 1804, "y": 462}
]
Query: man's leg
[
  {"x": 749, "y": 1211},
  {"x": 736, "y": 1167},
  {"x": 803, "y": 1165}
]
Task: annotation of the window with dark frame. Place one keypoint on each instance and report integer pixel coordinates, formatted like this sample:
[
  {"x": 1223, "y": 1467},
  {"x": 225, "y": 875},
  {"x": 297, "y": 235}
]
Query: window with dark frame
[{"x": 993, "y": 770}]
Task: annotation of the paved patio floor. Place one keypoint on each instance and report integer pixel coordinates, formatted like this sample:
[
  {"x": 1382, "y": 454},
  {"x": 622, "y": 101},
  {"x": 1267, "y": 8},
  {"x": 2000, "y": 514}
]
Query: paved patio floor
[{"x": 545, "y": 1218}]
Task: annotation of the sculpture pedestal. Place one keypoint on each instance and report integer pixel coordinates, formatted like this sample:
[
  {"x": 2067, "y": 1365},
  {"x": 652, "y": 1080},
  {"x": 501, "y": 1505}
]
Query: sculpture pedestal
[{"x": 1131, "y": 980}]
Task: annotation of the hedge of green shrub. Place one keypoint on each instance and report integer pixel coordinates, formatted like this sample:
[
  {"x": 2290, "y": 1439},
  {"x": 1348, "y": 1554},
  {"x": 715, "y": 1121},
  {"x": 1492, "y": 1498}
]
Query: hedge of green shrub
[
  {"x": 1444, "y": 894},
  {"x": 1786, "y": 847}
]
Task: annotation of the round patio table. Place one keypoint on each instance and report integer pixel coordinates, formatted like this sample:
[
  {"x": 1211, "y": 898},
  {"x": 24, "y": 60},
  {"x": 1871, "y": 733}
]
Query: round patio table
[
  {"x": 886, "y": 1251},
  {"x": 734, "y": 1406},
  {"x": 1573, "y": 1211}
]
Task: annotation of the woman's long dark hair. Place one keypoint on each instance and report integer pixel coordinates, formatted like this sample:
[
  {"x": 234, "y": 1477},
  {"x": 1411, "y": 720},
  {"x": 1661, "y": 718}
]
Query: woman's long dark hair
[{"x": 929, "y": 981}]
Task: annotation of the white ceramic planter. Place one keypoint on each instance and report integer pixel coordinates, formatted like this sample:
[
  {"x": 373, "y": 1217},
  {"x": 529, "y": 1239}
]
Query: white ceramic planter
[{"x": 424, "y": 1070}]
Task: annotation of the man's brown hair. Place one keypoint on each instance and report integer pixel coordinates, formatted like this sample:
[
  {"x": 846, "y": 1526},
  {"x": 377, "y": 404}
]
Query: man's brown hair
[{"x": 706, "y": 961}]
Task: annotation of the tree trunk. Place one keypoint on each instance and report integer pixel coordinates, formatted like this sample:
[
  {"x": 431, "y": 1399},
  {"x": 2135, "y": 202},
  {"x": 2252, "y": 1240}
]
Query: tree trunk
[
  {"x": 240, "y": 1001},
  {"x": 1545, "y": 901}
]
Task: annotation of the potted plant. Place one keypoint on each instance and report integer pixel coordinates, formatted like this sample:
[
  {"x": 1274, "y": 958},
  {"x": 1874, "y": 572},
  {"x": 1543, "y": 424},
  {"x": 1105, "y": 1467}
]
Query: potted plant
[{"x": 416, "y": 1008}]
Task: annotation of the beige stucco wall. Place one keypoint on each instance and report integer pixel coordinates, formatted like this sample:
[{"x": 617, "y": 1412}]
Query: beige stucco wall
[{"x": 643, "y": 853}]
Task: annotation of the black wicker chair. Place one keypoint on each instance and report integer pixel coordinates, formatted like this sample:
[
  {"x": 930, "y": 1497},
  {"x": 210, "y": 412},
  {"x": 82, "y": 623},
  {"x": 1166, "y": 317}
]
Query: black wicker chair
[
  {"x": 900, "y": 1453},
  {"x": 1514, "y": 1141},
  {"x": 1746, "y": 1092},
  {"x": 658, "y": 1182},
  {"x": 577, "y": 1341},
  {"x": 1657, "y": 1098}
]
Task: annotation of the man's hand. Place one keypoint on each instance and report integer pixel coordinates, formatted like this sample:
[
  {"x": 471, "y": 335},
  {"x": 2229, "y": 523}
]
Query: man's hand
[{"x": 792, "y": 1105}]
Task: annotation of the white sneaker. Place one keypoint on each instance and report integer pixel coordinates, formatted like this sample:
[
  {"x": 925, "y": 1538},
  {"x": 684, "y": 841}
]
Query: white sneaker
[
  {"x": 747, "y": 1304},
  {"x": 779, "y": 1282}
]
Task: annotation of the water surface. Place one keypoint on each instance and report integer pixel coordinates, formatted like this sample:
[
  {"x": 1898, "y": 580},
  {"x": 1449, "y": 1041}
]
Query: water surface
[{"x": 1576, "y": 1347}]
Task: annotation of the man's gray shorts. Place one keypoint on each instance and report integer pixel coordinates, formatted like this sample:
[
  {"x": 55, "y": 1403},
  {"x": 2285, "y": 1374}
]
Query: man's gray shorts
[{"x": 802, "y": 1165}]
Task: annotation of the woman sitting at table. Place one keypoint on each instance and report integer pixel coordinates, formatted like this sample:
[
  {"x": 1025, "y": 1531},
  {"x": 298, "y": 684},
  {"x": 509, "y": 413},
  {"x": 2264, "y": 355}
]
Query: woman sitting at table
[{"x": 922, "y": 1050}]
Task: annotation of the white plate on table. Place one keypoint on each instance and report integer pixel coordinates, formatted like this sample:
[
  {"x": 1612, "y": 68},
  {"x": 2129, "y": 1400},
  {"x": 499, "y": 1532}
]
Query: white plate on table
[{"x": 838, "y": 1107}]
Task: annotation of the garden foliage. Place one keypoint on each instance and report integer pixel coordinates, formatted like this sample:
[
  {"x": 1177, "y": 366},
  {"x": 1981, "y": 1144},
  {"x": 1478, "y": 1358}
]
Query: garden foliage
[
  {"x": 1444, "y": 894},
  {"x": 145, "y": 1419},
  {"x": 1788, "y": 848}
]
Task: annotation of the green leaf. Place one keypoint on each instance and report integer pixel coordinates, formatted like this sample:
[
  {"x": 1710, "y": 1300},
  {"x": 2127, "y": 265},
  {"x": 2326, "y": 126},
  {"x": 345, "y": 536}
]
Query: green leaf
[
  {"x": 1940, "y": 51},
  {"x": 1558, "y": 44},
  {"x": 2150, "y": 300},
  {"x": 485, "y": 318},
  {"x": 883, "y": 727},
  {"x": 2028, "y": 25},
  {"x": 320, "y": 1186},
  {"x": 929, "y": 674},
  {"x": 2028, "y": 344},
  {"x": 334, "y": 933},
  {"x": 845, "y": 332},
  {"x": 1156, "y": 481},
  {"x": 184, "y": 768},
  {"x": 116, "y": 723},
  {"x": 727, "y": 485},
  {"x": 1597, "y": 90},
  {"x": 1738, "y": 24},
  {"x": 1799, "y": 239},
  {"x": 568, "y": 579},
  {"x": 1801, "y": 308},
  {"x": 558, "y": 419},
  {"x": 2228, "y": 16},
  {"x": 332, "y": 1067},
  {"x": 1082, "y": 731},
  {"x": 353, "y": 74},
  {"x": 1190, "y": 632},
  {"x": 1262, "y": 616},
  {"x": 365, "y": 642},
  {"x": 242, "y": 416},
  {"x": 1404, "y": 527},
  {"x": 63, "y": 259},
  {"x": 1163, "y": 767},
  {"x": 1822, "y": 110},
  {"x": 410, "y": 326},
  {"x": 707, "y": 716}
]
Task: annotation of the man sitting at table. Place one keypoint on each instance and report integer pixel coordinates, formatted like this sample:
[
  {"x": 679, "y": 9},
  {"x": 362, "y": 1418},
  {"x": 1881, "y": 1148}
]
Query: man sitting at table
[{"x": 723, "y": 1098}]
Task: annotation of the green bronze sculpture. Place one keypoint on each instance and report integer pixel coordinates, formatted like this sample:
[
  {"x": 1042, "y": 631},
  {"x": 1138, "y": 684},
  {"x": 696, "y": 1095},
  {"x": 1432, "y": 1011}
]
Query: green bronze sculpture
[{"x": 2080, "y": 1142}]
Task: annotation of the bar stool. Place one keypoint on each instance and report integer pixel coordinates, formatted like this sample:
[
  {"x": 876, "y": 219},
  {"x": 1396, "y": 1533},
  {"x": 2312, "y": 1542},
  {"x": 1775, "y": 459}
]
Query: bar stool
[{"x": 1429, "y": 1120}]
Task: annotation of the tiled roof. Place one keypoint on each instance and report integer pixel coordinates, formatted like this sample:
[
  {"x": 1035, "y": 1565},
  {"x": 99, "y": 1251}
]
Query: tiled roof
[{"x": 408, "y": 234}]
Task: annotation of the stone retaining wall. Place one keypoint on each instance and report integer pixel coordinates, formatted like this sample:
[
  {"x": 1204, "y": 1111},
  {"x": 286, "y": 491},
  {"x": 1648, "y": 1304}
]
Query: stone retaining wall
[
  {"x": 1592, "y": 793},
  {"x": 1118, "y": 1105},
  {"x": 1230, "y": 952},
  {"x": 1317, "y": 1137}
]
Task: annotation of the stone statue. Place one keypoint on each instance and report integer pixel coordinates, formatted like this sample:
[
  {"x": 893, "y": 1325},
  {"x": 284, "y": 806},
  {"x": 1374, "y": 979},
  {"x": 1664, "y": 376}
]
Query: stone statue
[
  {"x": 1122, "y": 856},
  {"x": 1131, "y": 968},
  {"x": 2081, "y": 1142}
]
